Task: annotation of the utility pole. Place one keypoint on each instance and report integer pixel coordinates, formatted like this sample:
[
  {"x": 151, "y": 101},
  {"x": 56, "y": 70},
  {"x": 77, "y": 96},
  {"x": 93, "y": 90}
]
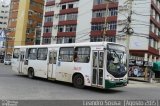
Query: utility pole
[{"x": 128, "y": 30}]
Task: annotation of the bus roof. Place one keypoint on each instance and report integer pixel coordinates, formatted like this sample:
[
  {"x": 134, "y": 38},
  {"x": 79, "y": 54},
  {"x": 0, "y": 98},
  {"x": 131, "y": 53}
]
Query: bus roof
[{"x": 68, "y": 45}]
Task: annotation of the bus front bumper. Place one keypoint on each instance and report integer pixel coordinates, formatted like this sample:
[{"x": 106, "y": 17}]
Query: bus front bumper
[{"x": 113, "y": 84}]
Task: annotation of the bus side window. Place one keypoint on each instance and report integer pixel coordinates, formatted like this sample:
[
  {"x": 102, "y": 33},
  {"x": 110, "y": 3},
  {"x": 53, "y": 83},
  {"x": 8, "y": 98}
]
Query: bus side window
[
  {"x": 66, "y": 54},
  {"x": 32, "y": 54},
  {"x": 82, "y": 54},
  {"x": 42, "y": 54},
  {"x": 26, "y": 55},
  {"x": 16, "y": 53}
]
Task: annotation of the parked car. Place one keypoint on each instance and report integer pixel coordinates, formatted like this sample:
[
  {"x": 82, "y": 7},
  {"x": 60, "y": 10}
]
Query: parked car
[{"x": 7, "y": 62}]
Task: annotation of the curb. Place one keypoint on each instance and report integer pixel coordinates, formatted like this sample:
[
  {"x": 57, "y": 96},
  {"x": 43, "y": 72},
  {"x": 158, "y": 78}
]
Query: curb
[{"x": 134, "y": 79}]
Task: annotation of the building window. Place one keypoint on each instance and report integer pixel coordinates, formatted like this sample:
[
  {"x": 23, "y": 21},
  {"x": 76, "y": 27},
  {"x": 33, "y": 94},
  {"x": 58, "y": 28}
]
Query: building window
[
  {"x": 96, "y": 39},
  {"x": 96, "y": 2},
  {"x": 97, "y": 27},
  {"x": 71, "y": 17},
  {"x": 112, "y": 26},
  {"x": 111, "y": 39},
  {"x": 46, "y": 41},
  {"x": 42, "y": 53},
  {"x": 97, "y": 14},
  {"x": 63, "y": 7},
  {"x": 69, "y": 39},
  {"x": 61, "y": 17},
  {"x": 70, "y": 5},
  {"x": 113, "y": 12},
  {"x": 49, "y": 8},
  {"x": 66, "y": 54},
  {"x": 70, "y": 28},
  {"x": 49, "y": 19},
  {"x": 61, "y": 40},
  {"x": 47, "y": 29},
  {"x": 82, "y": 54},
  {"x": 60, "y": 28}
]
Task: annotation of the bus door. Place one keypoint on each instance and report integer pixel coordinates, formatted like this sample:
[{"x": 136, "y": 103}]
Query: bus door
[
  {"x": 98, "y": 66},
  {"x": 21, "y": 62},
  {"x": 52, "y": 64}
]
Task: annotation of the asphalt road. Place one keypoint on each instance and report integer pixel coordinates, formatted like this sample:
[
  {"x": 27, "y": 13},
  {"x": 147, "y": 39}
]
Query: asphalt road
[{"x": 17, "y": 87}]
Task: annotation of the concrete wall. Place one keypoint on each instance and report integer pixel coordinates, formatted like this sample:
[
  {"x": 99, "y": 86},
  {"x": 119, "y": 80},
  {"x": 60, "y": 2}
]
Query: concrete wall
[
  {"x": 84, "y": 20},
  {"x": 140, "y": 23},
  {"x": 22, "y": 22}
]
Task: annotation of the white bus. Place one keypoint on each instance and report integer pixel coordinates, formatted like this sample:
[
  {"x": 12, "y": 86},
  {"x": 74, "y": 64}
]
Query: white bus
[{"x": 96, "y": 64}]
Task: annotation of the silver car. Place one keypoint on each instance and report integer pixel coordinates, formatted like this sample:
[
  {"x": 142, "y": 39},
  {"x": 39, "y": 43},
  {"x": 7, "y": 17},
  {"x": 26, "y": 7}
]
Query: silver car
[{"x": 7, "y": 62}]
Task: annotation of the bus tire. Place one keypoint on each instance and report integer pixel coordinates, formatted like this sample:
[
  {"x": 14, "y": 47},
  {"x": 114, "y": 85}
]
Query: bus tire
[
  {"x": 31, "y": 73},
  {"x": 78, "y": 81}
]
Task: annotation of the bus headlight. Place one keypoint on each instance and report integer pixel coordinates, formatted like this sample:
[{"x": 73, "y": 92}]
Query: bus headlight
[{"x": 110, "y": 78}]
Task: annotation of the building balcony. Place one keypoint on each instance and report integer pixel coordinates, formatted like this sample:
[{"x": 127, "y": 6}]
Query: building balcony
[
  {"x": 13, "y": 15},
  {"x": 155, "y": 6},
  {"x": 48, "y": 24},
  {"x": 68, "y": 11},
  {"x": 11, "y": 34},
  {"x": 155, "y": 21},
  {"x": 12, "y": 24},
  {"x": 102, "y": 19},
  {"x": 67, "y": 1},
  {"x": 30, "y": 35},
  {"x": 103, "y": 6},
  {"x": 50, "y": 3},
  {"x": 66, "y": 34},
  {"x": 154, "y": 36},
  {"x": 153, "y": 50},
  {"x": 39, "y": 1},
  {"x": 29, "y": 43},
  {"x": 35, "y": 17},
  {"x": 15, "y": 7},
  {"x": 10, "y": 42},
  {"x": 50, "y": 13},
  {"x": 109, "y": 33},
  {"x": 68, "y": 22},
  {"x": 32, "y": 25},
  {"x": 47, "y": 35},
  {"x": 37, "y": 9}
]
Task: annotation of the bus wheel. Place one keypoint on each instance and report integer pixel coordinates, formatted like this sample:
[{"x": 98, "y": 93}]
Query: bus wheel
[
  {"x": 31, "y": 73},
  {"x": 78, "y": 81}
]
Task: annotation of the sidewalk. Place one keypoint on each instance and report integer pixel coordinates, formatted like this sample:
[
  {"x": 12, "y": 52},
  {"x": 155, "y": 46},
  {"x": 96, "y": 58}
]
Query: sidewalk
[{"x": 157, "y": 80}]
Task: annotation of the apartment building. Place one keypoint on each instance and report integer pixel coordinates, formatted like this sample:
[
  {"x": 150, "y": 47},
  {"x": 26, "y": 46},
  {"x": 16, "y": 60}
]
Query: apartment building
[
  {"x": 25, "y": 22},
  {"x": 4, "y": 14},
  {"x": 69, "y": 21},
  {"x": 145, "y": 23},
  {"x": 14, "y": 4}
]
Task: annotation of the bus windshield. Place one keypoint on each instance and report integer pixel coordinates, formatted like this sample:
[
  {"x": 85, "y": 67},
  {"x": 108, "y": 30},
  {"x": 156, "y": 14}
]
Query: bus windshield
[{"x": 116, "y": 60}]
